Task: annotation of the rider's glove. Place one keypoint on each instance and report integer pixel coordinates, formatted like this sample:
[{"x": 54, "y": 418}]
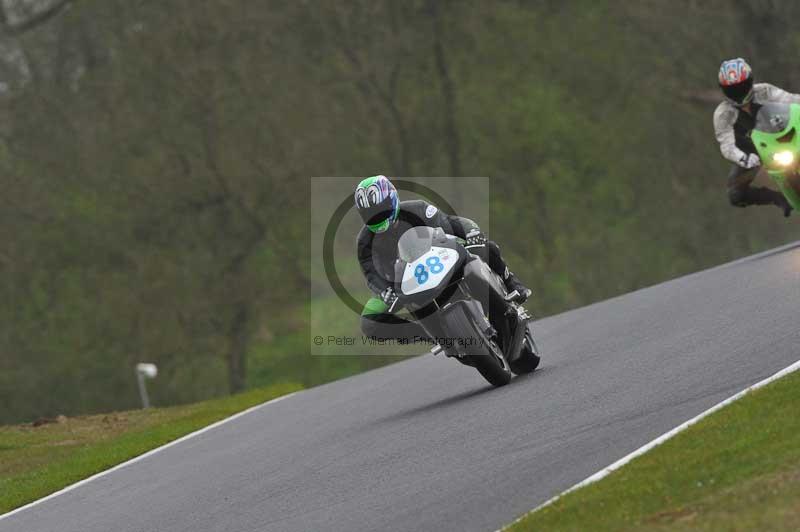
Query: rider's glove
[
  {"x": 389, "y": 297},
  {"x": 475, "y": 238},
  {"x": 749, "y": 161}
]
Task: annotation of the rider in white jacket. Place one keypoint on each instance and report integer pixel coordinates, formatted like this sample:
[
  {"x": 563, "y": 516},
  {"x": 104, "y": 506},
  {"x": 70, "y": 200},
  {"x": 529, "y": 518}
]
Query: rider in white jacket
[{"x": 734, "y": 119}]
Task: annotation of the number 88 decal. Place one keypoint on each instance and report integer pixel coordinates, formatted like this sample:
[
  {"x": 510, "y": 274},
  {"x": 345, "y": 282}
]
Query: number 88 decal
[
  {"x": 435, "y": 264},
  {"x": 421, "y": 273}
]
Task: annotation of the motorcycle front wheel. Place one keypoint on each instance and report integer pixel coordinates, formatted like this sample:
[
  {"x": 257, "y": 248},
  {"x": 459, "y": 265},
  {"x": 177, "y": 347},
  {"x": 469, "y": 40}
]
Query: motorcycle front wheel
[
  {"x": 493, "y": 369},
  {"x": 491, "y": 364},
  {"x": 528, "y": 358}
]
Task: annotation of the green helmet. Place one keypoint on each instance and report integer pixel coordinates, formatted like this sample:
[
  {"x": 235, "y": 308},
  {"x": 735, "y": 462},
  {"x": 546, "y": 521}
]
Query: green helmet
[{"x": 377, "y": 203}]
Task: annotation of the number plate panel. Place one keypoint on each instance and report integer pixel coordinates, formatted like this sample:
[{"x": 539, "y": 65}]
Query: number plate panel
[{"x": 427, "y": 272}]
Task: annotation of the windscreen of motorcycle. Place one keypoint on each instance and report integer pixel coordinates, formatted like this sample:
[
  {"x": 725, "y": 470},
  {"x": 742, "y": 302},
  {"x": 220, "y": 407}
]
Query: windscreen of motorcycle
[
  {"x": 429, "y": 270},
  {"x": 773, "y": 117},
  {"x": 415, "y": 242}
]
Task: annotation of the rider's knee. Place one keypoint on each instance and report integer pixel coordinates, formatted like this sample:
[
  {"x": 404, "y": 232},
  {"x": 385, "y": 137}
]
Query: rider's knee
[
  {"x": 486, "y": 251},
  {"x": 492, "y": 256},
  {"x": 492, "y": 247}
]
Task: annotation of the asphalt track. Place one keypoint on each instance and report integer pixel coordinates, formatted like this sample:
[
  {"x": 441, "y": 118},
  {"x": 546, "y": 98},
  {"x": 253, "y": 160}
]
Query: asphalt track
[{"x": 426, "y": 445}]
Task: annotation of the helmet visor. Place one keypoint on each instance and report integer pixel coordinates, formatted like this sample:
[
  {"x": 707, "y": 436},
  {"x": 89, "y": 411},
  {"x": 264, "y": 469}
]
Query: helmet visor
[
  {"x": 739, "y": 92},
  {"x": 378, "y": 213}
]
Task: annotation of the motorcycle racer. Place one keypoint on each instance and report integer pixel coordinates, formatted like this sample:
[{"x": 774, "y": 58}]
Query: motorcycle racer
[
  {"x": 386, "y": 218},
  {"x": 734, "y": 119}
]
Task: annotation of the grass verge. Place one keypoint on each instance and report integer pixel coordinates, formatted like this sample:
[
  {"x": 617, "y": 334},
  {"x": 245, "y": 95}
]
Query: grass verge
[
  {"x": 738, "y": 469},
  {"x": 37, "y": 461}
]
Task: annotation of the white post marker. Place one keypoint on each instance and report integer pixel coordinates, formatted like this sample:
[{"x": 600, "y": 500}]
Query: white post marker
[
  {"x": 658, "y": 441},
  {"x": 145, "y": 371}
]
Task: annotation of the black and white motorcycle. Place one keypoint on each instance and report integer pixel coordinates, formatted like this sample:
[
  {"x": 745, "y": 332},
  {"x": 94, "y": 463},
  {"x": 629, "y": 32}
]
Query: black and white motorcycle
[{"x": 463, "y": 305}]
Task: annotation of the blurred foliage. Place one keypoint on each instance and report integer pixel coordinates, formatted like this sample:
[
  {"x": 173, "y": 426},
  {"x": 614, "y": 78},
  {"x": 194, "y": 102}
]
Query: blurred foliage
[{"x": 156, "y": 168}]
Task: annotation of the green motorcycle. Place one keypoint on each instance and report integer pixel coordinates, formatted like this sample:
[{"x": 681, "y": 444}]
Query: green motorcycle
[{"x": 777, "y": 138}]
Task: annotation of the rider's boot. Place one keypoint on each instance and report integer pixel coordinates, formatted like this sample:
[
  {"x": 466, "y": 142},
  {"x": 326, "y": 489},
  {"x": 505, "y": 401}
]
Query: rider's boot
[
  {"x": 785, "y": 205},
  {"x": 767, "y": 196},
  {"x": 514, "y": 284}
]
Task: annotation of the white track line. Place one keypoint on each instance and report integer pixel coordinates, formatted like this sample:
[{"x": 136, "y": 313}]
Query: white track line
[
  {"x": 145, "y": 455},
  {"x": 661, "y": 439}
]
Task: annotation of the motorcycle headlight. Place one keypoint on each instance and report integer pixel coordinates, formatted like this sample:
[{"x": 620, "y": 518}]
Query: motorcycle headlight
[{"x": 783, "y": 158}]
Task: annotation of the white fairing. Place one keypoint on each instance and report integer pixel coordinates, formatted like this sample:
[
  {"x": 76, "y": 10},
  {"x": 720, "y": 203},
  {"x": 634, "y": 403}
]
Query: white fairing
[{"x": 428, "y": 271}]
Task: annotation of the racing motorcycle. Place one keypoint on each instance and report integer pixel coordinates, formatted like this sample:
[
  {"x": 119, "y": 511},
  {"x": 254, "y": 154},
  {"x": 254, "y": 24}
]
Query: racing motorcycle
[
  {"x": 463, "y": 305},
  {"x": 777, "y": 139}
]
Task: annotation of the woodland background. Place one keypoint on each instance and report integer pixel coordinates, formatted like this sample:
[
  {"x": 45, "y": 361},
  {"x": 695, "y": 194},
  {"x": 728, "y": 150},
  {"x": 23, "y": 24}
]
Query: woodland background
[{"x": 155, "y": 159}]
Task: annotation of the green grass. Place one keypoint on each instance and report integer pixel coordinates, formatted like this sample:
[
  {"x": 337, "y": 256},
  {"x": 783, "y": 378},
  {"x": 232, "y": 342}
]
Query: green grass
[
  {"x": 738, "y": 469},
  {"x": 36, "y": 461}
]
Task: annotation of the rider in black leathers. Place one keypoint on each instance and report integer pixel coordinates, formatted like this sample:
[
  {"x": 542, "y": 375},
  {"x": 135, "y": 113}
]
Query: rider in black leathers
[{"x": 377, "y": 252}]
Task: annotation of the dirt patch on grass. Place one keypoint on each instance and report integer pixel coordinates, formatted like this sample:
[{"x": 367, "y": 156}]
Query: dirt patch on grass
[
  {"x": 681, "y": 515},
  {"x": 767, "y": 501}
]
